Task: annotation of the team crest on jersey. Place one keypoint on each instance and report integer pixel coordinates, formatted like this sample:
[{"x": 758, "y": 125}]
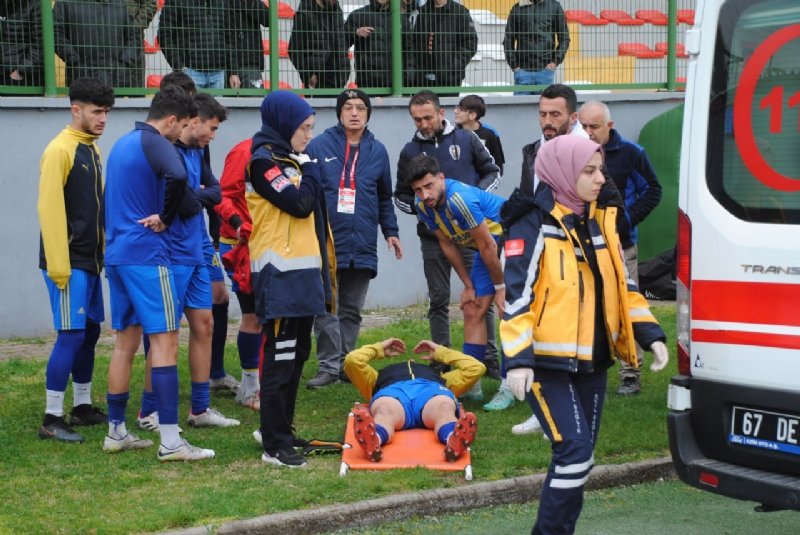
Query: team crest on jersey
[
  {"x": 455, "y": 152},
  {"x": 514, "y": 248}
]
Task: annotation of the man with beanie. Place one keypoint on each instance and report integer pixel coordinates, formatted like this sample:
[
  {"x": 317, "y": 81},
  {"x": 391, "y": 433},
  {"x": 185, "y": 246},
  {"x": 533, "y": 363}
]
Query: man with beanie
[
  {"x": 291, "y": 259},
  {"x": 357, "y": 180}
]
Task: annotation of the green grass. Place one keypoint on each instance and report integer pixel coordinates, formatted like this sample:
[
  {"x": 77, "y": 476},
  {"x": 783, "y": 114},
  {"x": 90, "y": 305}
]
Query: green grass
[{"x": 60, "y": 488}]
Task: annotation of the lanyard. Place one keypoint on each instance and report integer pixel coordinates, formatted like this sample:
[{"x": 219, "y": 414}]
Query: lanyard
[{"x": 352, "y": 168}]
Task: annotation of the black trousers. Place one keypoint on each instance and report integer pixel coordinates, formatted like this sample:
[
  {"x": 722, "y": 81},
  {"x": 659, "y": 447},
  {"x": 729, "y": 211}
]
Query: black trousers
[{"x": 287, "y": 345}]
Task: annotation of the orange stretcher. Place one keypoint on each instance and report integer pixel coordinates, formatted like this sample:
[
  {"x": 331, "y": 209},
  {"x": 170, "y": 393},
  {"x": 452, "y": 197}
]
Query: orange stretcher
[{"x": 408, "y": 449}]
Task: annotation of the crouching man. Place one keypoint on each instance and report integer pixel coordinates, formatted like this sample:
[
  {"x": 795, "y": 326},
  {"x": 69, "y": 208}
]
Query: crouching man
[{"x": 410, "y": 395}]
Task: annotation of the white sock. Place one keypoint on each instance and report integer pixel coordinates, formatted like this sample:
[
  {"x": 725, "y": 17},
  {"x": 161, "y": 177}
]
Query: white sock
[
  {"x": 504, "y": 384},
  {"x": 170, "y": 438},
  {"x": 82, "y": 392},
  {"x": 250, "y": 383},
  {"x": 55, "y": 403},
  {"x": 117, "y": 431}
]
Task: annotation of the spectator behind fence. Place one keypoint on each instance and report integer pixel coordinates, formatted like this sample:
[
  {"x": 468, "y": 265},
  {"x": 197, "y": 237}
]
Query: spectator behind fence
[
  {"x": 196, "y": 38},
  {"x": 247, "y": 18},
  {"x": 99, "y": 39},
  {"x": 536, "y": 41},
  {"x": 629, "y": 167},
  {"x": 468, "y": 116},
  {"x": 318, "y": 45},
  {"x": 142, "y": 13},
  {"x": 444, "y": 42},
  {"x": 21, "y": 43},
  {"x": 369, "y": 28}
]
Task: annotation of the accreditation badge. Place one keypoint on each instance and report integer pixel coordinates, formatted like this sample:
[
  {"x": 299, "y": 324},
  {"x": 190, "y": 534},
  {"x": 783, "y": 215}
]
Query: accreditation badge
[{"x": 347, "y": 201}]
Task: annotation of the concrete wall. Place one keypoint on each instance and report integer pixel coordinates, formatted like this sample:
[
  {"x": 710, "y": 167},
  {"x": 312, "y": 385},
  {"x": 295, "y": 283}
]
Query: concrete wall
[{"x": 30, "y": 123}]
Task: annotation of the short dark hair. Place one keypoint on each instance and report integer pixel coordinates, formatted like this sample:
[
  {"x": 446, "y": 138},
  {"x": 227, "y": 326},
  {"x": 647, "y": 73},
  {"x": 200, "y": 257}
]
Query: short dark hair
[
  {"x": 209, "y": 108},
  {"x": 565, "y": 92},
  {"x": 425, "y": 97},
  {"x": 473, "y": 103},
  {"x": 421, "y": 166},
  {"x": 179, "y": 78},
  {"x": 172, "y": 100},
  {"x": 91, "y": 91}
]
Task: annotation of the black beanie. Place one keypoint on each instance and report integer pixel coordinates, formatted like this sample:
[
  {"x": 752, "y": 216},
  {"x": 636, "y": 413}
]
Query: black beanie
[{"x": 348, "y": 94}]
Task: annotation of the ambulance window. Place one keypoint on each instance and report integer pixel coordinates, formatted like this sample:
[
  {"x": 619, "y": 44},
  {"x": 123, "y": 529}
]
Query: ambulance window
[{"x": 753, "y": 157}]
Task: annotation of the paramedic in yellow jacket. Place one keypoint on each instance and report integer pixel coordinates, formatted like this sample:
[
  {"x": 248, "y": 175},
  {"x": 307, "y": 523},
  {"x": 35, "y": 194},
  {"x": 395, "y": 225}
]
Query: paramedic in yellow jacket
[
  {"x": 70, "y": 210},
  {"x": 410, "y": 395},
  {"x": 570, "y": 312},
  {"x": 291, "y": 260}
]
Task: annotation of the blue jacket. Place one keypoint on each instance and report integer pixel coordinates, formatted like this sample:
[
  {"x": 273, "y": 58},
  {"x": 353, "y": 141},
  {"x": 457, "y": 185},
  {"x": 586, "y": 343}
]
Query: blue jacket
[
  {"x": 355, "y": 236},
  {"x": 627, "y": 163}
]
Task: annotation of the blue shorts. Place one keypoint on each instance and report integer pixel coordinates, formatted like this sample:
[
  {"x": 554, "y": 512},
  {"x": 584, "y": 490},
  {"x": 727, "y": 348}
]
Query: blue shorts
[
  {"x": 143, "y": 295},
  {"x": 413, "y": 394},
  {"x": 213, "y": 262},
  {"x": 79, "y": 301},
  {"x": 193, "y": 286},
  {"x": 480, "y": 277}
]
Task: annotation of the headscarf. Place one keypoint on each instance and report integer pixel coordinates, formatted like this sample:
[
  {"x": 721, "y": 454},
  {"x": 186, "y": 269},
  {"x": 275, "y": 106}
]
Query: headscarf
[
  {"x": 559, "y": 162},
  {"x": 284, "y": 112}
]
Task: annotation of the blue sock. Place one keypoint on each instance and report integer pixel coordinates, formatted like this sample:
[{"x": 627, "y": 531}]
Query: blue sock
[
  {"x": 165, "y": 389},
  {"x": 249, "y": 345},
  {"x": 201, "y": 397},
  {"x": 62, "y": 358},
  {"x": 117, "y": 403},
  {"x": 83, "y": 367},
  {"x": 218, "y": 338},
  {"x": 477, "y": 351},
  {"x": 382, "y": 433},
  {"x": 149, "y": 405},
  {"x": 445, "y": 431}
]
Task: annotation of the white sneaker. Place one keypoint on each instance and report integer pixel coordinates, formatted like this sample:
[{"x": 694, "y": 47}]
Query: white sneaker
[
  {"x": 257, "y": 436},
  {"x": 184, "y": 452},
  {"x": 529, "y": 426},
  {"x": 210, "y": 418},
  {"x": 228, "y": 382},
  {"x": 128, "y": 442},
  {"x": 150, "y": 422}
]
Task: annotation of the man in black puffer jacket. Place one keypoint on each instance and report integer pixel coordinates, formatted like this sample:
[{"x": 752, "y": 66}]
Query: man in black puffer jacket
[
  {"x": 21, "y": 43},
  {"x": 247, "y": 20},
  {"x": 318, "y": 45}
]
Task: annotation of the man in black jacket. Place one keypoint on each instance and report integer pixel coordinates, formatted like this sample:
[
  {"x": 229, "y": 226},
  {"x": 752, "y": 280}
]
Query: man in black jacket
[
  {"x": 536, "y": 41},
  {"x": 21, "y": 43},
  {"x": 247, "y": 19},
  {"x": 318, "y": 45}
]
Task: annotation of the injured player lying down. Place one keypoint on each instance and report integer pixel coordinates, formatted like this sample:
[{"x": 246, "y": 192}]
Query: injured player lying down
[{"x": 410, "y": 395}]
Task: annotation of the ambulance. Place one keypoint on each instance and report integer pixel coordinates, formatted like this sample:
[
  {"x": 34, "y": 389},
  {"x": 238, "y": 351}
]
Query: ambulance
[{"x": 734, "y": 408}]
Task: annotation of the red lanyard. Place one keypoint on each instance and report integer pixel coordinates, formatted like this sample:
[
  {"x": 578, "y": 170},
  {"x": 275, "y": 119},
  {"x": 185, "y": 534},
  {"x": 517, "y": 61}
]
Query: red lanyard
[{"x": 352, "y": 168}]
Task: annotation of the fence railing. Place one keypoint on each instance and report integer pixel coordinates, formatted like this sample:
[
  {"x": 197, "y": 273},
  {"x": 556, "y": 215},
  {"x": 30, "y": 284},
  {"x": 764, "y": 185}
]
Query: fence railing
[{"x": 318, "y": 47}]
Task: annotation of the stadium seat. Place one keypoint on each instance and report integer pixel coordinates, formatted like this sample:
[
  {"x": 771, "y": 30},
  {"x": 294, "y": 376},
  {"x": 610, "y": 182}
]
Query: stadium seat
[
  {"x": 639, "y": 50},
  {"x": 619, "y": 17},
  {"x": 283, "y": 48},
  {"x": 154, "y": 80},
  {"x": 686, "y": 16},
  {"x": 680, "y": 49},
  {"x": 159, "y": 5},
  {"x": 153, "y": 48},
  {"x": 585, "y": 18},
  {"x": 653, "y": 16},
  {"x": 281, "y": 85},
  {"x": 352, "y": 85}
]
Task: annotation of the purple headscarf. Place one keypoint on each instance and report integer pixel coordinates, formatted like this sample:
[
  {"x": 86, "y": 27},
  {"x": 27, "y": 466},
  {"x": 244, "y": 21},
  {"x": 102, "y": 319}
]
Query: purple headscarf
[{"x": 559, "y": 163}]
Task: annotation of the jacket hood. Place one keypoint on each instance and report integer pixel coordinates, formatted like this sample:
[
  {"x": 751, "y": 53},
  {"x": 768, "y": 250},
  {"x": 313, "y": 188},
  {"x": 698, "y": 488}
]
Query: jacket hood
[
  {"x": 448, "y": 129},
  {"x": 268, "y": 136}
]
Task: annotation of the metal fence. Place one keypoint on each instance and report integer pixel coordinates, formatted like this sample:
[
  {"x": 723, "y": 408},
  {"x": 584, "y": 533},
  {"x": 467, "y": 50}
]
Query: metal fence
[{"x": 387, "y": 47}]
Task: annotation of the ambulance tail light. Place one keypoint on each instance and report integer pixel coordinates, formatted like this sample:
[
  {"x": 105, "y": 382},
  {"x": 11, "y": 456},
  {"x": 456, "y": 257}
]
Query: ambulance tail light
[{"x": 683, "y": 291}]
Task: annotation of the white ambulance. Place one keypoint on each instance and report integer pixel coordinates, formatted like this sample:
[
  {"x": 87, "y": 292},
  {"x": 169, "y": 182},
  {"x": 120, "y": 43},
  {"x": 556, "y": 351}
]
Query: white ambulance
[{"x": 734, "y": 408}]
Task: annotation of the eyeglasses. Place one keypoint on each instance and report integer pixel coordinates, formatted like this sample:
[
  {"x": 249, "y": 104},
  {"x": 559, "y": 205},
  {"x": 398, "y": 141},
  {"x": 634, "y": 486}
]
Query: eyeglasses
[{"x": 351, "y": 107}]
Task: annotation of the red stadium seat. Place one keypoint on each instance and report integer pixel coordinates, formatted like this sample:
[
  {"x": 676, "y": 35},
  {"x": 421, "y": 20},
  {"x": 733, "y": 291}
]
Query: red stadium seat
[
  {"x": 283, "y": 48},
  {"x": 638, "y": 50},
  {"x": 586, "y": 18},
  {"x": 285, "y": 11},
  {"x": 653, "y": 16},
  {"x": 680, "y": 49},
  {"x": 151, "y": 48},
  {"x": 281, "y": 85},
  {"x": 154, "y": 80},
  {"x": 159, "y": 5},
  {"x": 619, "y": 17},
  {"x": 352, "y": 85},
  {"x": 686, "y": 16}
]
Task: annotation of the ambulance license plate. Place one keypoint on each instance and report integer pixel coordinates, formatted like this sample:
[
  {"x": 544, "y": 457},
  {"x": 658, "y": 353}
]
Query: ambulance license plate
[{"x": 764, "y": 429}]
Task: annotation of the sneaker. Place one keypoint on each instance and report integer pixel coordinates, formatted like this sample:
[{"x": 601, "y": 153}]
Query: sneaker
[
  {"x": 322, "y": 379},
  {"x": 128, "y": 442},
  {"x": 364, "y": 430},
  {"x": 210, "y": 418},
  {"x": 251, "y": 401},
  {"x": 150, "y": 422},
  {"x": 529, "y": 426},
  {"x": 55, "y": 427},
  {"x": 473, "y": 394},
  {"x": 493, "y": 369},
  {"x": 628, "y": 386},
  {"x": 228, "y": 382},
  {"x": 86, "y": 414},
  {"x": 462, "y": 436},
  {"x": 285, "y": 457},
  {"x": 184, "y": 452},
  {"x": 501, "y": 401}
]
